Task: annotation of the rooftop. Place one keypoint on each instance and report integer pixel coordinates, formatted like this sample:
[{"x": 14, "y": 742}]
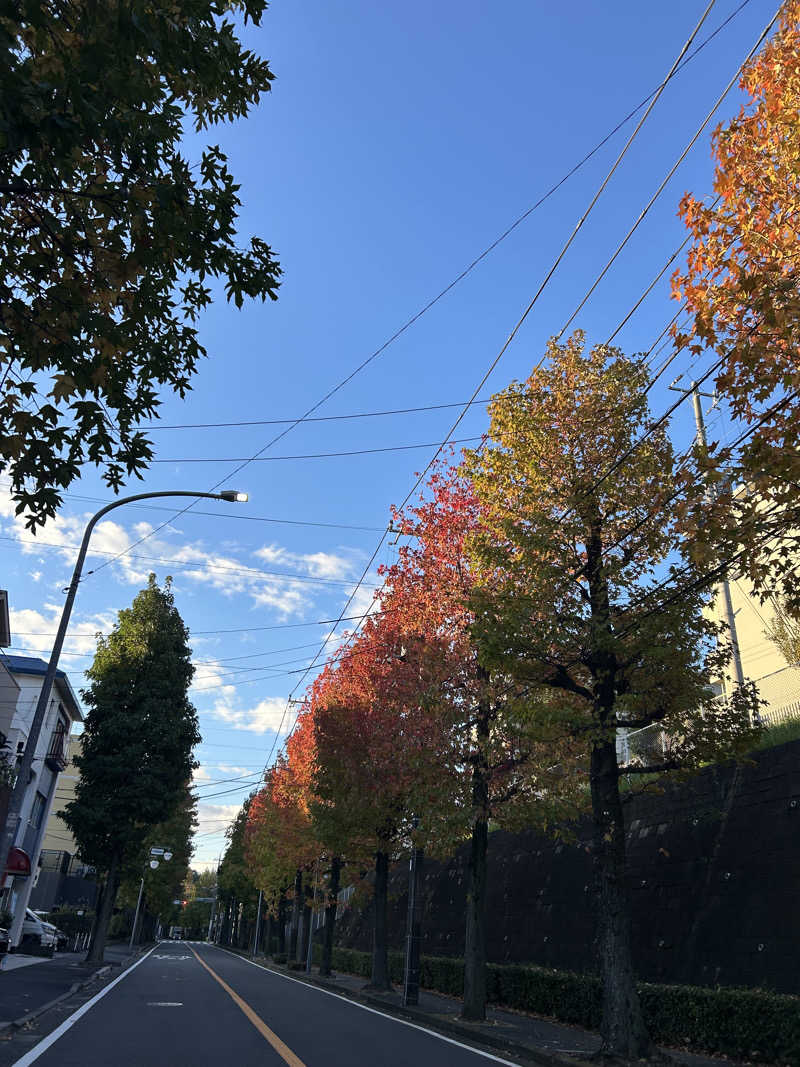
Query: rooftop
[{"x": 32, "y": 665}]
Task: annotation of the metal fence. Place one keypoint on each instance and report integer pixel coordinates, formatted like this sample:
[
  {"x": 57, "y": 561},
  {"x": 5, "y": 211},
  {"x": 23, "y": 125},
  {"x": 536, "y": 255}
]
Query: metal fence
[{"x": 780, "y": 690}]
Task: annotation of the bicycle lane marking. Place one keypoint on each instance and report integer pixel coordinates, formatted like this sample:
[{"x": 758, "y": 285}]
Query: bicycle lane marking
[
  {"x": 54, "y": 1035},
  {"x": 282, "y": 1049}
]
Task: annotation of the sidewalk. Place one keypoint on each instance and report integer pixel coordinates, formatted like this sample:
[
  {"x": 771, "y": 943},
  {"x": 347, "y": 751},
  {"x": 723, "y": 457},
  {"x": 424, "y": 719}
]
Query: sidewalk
[
  {"x": 25, "y": 988},
  {"x": 534, "y": 1038}
]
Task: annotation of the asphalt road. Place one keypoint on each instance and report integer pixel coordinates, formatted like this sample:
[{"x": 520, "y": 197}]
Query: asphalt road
[{"x": 191, "y": 1004}]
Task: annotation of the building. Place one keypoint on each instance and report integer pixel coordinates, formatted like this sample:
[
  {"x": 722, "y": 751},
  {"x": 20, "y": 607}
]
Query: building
[
  {"x": 50, "y": 759},
  {"x": 778, "y": 682},
  {"x": 61, "y": 879}
]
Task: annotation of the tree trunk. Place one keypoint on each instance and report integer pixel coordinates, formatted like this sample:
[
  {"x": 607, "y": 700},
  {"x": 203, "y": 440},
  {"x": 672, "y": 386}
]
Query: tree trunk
[
  {"x": 97, "y": 946},
  {"x": 330, "y": 917},
  {"x": 380, "y": 945},
  {"x": 294, "y": 930},
  {"x": 282, "y": 926},
  {"x": 474, "y": 1007},
  {"x": 302, "y": 948},
  {"x": 623, "y": 1030}
]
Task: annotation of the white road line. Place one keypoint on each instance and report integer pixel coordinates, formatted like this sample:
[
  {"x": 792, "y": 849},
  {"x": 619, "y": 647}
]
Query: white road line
[
  {"x": 364, "y": 1007},
  {"x": 47, "y": 1042}
]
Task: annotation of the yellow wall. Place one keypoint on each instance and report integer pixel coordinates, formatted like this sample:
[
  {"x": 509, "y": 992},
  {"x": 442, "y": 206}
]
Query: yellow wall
[{"x": 56, "y": 834}]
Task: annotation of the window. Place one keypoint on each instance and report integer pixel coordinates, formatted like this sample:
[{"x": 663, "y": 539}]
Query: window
[{"x": 37, "y": 810}]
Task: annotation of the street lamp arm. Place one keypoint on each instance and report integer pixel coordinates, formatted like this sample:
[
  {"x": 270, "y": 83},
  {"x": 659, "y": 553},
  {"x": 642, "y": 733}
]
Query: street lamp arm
[{"x": 23, "y": 772}]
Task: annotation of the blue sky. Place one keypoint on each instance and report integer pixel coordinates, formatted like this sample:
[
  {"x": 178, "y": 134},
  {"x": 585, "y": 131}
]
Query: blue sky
[{"x": 399, "y": 141}]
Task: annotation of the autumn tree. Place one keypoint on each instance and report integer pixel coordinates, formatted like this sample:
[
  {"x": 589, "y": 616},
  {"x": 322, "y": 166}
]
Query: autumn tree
[
  {"x": 741, "y": 287},
  {"x": 784, "y": 632},
  {"x": 112, "y": 241},
  {"x": 376, "y": 756},
  {"x": 494, "y": 764},
  {"x": 574, "y": 550},
  {"x": 140, "y": 729},
  {"x": 281, "y": 847}
]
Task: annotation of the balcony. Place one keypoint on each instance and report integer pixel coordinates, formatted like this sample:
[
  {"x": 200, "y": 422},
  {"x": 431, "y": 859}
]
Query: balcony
[{"x": 56, "y": 758}]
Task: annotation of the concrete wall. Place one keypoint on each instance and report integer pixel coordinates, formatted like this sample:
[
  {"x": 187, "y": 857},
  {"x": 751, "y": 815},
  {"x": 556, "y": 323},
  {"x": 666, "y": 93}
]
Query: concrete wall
[{"x": 714, "y": 884}]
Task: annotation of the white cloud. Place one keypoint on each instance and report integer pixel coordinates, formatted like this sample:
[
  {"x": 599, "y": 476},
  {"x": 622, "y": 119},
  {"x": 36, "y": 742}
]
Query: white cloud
[
  {"x": 215, "y": 818},
  {"x": 268, "y": 715},
  {"x": 316, "y": 564},
  {"x": 193, "y": 562},
  {"x": 327, "y": 565},
  {"x": 260, "y": 718},
  {"x": 35, "y": 575},
  {"x": 35, "y": 628}
]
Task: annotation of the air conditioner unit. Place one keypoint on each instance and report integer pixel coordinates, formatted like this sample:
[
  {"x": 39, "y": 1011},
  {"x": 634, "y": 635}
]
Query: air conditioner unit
[{"x": 5, "y": 625}]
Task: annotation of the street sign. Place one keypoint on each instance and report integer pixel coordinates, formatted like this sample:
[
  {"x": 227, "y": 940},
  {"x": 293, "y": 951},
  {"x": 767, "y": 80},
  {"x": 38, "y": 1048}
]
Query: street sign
[
  {"x": 157, "y": 851},
  {"x": 154, "y": 864}
]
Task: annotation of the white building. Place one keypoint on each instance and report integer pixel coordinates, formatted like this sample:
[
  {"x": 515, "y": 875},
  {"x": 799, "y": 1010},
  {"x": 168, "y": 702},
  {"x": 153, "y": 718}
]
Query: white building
[{"x": 50, "y": 758}]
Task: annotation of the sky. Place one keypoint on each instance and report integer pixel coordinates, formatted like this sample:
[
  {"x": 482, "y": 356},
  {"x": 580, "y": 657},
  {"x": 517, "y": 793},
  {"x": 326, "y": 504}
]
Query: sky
[{"x": 398, "y": 143}]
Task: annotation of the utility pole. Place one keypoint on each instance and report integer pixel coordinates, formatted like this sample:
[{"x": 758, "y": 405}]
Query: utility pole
[
  {"x": 258, "y": 922},
  {"x": 413, "y": 927},
  {"x": 310, "y": 949},
  {"x": 727, "y": 602}
]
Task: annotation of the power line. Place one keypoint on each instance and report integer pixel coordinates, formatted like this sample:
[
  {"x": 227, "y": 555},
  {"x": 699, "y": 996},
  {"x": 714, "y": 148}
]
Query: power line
[
  {"x": 463, "y": 274},
  {"x": 651, "y": 101},
  {"x": 508, "y": 341},
  {"x": 670, "y": 173},
  {"x": 230, "y": 516},
  {"x": 255, "y": 572},
  {"x": 312, "y": 455}
]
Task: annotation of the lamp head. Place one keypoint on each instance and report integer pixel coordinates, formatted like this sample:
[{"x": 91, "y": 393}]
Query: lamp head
[{"x": 234, "y": 496}]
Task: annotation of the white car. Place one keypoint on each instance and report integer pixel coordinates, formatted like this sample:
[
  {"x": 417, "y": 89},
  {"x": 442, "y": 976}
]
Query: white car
[{"x": 38, "y": 932}]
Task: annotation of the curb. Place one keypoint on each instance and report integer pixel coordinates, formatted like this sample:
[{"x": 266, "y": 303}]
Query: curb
[{"x": 462, "y": 1031}]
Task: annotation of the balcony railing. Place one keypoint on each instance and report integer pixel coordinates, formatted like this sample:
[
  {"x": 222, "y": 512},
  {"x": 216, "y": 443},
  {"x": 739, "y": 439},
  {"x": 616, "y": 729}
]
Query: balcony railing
[{"x": 56, "y": 758}]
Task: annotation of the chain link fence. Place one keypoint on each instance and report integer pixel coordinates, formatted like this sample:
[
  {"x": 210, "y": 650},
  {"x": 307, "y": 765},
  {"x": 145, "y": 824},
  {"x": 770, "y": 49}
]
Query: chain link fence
[{"x": 651, "y": 744}]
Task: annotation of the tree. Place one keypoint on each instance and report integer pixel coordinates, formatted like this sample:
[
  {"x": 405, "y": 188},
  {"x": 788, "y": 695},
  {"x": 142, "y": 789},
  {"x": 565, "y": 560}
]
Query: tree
[
  {"x": 237, "y": 894},
  {"x": 375, "y": 758},
  {"x": 164, "y": 884},
  {"x": 111, "y": 239},
  {"x": 573, "y": 554},
  {"x": 280, "y": 843},
  {"x": 492, "y": 763},
  {"x": 136, "y": 758},
  {"x": 741, "y": 286},
  {"x": 784, "y": 632}
]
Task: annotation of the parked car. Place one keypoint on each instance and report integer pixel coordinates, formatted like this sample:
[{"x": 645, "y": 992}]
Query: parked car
[
  {"x": 4, "y": 940},
  {"x": 37, "y": 933},
  {"x": 62, "y": 940}
]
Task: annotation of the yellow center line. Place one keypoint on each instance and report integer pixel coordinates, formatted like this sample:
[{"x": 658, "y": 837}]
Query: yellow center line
[{"x": 283, "y": 1050}]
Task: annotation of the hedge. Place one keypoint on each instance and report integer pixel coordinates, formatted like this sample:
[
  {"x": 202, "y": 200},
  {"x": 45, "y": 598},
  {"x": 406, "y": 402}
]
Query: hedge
[{"x": 749, "y": 1024}]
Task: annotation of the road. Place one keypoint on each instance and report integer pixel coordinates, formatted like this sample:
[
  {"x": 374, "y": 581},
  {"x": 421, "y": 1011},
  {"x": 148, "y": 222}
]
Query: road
[{"x": 192, "y": 1004}]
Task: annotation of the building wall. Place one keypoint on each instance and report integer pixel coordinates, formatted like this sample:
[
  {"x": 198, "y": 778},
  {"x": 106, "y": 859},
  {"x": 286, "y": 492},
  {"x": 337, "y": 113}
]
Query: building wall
[
  {"x": 43, "y": 781},
  {"x": 57, "y": 836},
  {"x": 714, "y": 881},
  {"x": 9, "y": 693},
  {"x": 778, "y": 682}
]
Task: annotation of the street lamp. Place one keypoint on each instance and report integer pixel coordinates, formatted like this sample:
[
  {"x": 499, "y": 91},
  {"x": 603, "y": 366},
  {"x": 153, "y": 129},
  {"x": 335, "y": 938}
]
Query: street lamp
[
  {"x": 24, "y": 770},
  {"x": 153, "y": 866}
]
